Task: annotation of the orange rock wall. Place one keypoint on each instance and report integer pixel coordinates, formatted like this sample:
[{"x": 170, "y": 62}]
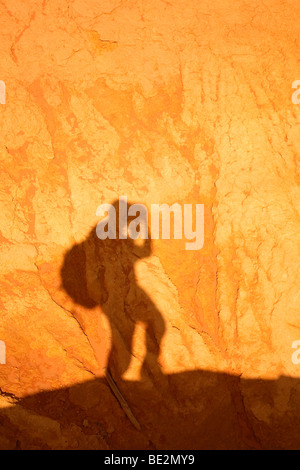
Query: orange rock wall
[{"x": 163, "y": 102}]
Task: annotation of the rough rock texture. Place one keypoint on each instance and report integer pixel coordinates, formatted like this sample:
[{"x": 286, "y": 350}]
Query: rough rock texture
[{"x": 164, "y": 102}]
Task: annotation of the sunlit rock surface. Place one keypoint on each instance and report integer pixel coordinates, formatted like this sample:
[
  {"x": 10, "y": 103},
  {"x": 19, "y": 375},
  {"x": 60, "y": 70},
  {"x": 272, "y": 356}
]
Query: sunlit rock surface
[{"x": 164, "y": 102}]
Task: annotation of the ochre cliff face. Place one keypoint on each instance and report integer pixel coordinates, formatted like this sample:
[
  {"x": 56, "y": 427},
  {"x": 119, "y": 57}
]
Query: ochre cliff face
[{"x": 111, "y": 345}]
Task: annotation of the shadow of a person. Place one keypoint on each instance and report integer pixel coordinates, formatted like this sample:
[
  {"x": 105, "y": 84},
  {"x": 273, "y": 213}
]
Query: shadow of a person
[{"x": 102, "y": 272}]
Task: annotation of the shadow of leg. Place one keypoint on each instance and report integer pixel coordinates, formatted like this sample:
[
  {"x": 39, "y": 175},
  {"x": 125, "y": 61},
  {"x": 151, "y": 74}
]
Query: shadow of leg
[
  {"x": 121, "y": 350},
  {"x": 154, "y": 334}
]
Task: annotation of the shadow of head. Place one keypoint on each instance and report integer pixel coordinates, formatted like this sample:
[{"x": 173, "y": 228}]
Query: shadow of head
[{"x": 111, "y": 248}]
